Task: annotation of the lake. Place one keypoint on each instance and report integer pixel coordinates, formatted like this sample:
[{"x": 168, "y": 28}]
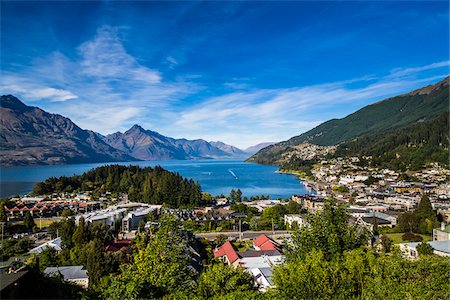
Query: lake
[{"x": 215, "y": 176}]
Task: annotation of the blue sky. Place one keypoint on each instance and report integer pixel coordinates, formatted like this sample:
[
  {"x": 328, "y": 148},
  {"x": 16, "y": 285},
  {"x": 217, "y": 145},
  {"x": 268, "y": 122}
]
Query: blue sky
[{"x": 239, "y": 72}]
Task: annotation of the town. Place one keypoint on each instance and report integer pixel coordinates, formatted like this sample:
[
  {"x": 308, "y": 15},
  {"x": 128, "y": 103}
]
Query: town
[{"x": 246, "y": 233}]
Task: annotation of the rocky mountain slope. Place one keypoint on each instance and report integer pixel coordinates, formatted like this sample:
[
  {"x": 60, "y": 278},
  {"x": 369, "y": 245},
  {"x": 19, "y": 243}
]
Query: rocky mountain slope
[
  {"x": 29, "y": 135},
  {"x": 150, "y": 145}
]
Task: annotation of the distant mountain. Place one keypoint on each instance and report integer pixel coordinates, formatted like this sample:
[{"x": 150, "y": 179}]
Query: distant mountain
[
  {"x": 236, "y": 152},
  {"x": 256, "y": 148},
  {"x": 150, "y": 145},
  {"x": 29, "y": 135},
  {"x": 387, "y": 115}
]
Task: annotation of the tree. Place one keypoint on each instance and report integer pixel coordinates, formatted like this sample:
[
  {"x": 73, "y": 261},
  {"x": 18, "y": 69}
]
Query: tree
[
  {"x": 95, "y": 261},
  {"x": 424, "y": 249},
  {"x": 220, "y": 239},
  {"x": 219, "y": 280},
  {"x": 79, "y": 236},
  {"x": 386, "y": 243},
  {"x": 424, "y": 209},
  {"x": 3, "y": 217},
  {"x": 67, "y": 213},
  {"x": 28, "y": 221},
  {"x": 48, "y": 258},
  {"x": 162, "y": 266},
  {"x": 327, "y": 231},
  {"x": 232, "y": 196},
  {"x": 66, "y": 230},
  {"x": 238, "y": 195}
]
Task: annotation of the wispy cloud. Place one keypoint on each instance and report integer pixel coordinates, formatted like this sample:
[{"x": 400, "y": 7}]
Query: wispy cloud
[
  {"x": 110, "y": 88},
  {"x": 278, "y": 114},
  {"x": 105, "y": 88},
  {"x": 400, "y": 72}
]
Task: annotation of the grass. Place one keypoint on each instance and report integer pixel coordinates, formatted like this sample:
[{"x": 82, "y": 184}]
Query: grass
[
  {"x": 45, "y": 223},
  {"x": 397, "y": 237}
]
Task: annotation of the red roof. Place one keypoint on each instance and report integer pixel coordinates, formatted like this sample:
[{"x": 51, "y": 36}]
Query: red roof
[
  {"x": 227, "y": 250},
  {"x": 263, "y": 242}
]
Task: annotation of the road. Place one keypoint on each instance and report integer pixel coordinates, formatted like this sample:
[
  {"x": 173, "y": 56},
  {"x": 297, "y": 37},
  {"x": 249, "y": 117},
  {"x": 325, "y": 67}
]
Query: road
[{"x": 246, "y": 235}]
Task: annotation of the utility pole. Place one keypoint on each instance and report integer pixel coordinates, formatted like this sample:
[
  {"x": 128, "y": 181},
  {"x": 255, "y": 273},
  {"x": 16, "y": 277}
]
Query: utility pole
[
  {"x": 3, "y": 226},
  {"x": 240, "y": 234},
  {"x": 273, "y": 229}
]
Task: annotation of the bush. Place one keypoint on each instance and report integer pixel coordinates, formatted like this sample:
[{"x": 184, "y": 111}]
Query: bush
[{"x": 411, "y": 237}]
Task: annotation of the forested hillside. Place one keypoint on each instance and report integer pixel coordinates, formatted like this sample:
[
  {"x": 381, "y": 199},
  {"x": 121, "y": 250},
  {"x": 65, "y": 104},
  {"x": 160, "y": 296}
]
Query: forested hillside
[
  {"x": 148, "y": 185},
  {"x": 410, "y": 147}
]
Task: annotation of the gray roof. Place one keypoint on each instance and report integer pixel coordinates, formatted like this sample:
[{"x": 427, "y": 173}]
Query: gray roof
[
  {"x": 8, "y": 279},
  {"x": 442, "y": 246},
  {"x": 68, "y": 272}
]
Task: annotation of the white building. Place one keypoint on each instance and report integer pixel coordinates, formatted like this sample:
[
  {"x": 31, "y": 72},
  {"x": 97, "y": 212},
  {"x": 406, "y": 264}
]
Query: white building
[
  {"x": 53, "y": 244},
  {"x": 441, "y": 248},
  {"x": 293, "y": 218}
]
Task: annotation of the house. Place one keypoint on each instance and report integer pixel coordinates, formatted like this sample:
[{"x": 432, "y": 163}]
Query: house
[
  {"x": 258, "y": 262},
  {"x": 293, "y": 218},
  {"x": 74, "y": 274},
  {"x": 442, "y": 233},
  {"x": 119, "y": 245},
  {"x": 53, "y": 244},
  {"x": 263, "y": 278},
  {"x": 441, "y": 248},
  {"x": 263, "y": 242},
  {"x": 13, "y": 285}
]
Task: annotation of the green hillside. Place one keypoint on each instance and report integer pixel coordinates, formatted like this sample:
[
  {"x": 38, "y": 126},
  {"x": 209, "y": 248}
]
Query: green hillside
[
  {"x": 407, "y": 148},
  {"x": 393, "y": 113}
]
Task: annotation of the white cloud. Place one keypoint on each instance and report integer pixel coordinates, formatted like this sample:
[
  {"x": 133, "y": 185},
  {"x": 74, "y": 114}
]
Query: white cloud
[
  {"x": 111, "y": 90},
  {"x": 399, "y": 72},
  {"x": 172, "y": 61}
]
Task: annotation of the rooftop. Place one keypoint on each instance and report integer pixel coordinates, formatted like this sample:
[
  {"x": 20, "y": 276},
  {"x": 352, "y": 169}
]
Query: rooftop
[{"x": 68, "y": 272}]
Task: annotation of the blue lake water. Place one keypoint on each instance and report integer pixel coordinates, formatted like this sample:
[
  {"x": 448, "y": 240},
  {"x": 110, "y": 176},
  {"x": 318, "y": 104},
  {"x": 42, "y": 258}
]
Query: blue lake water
[{"x": 215, "y": 176}]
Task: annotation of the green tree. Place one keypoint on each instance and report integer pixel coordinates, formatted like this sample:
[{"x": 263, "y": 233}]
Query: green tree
[
  {"x": 220, "y": 239},
  {"x": 28, "y": 221},
  {"x": 66, "y": 230},
  {"x": 79, "y": 236},
  {"x": 424, "y": 249},
  {"x": 161, "y": 266},
  {"x": 327, "y": 231},
  {"x": 48, "y": 258},
  {"x": 219, "y": 280},
  {"x": 238, "y": 195},
  {"x": 3, "y": 217},
  {"x": 96, "y": 264},
  {"x": 386, "y": 243}
]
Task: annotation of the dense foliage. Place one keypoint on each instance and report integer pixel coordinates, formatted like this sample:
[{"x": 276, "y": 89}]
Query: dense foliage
[
  {"x": 328, "y": 232},
  {"x": 422, "y": 220},
  {"x": 361, "y": 274},
  {"x": 405, "y": 148},
  {"x": 327, "y": 259},
  {"x": 148, "y": 185},
  {"x": 300, "y": 165}
]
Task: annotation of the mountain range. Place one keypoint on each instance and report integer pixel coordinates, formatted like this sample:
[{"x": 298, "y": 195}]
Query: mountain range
[
  {"x": 392, "y": 115},
  {"x": 30, "y": 135}
]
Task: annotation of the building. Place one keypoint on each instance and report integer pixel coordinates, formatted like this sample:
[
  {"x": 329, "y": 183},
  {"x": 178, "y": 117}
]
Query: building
[
  {"x": 294, "y": 218},
  {"x": 258, "y": 262},
  {"x": 441, "y": 248},
  {"x": 442, "y": 233},
  {"x": 131, "y": 220},
  {"x": 53, "y": 244},
  {"x": 74, "y": 274}
]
